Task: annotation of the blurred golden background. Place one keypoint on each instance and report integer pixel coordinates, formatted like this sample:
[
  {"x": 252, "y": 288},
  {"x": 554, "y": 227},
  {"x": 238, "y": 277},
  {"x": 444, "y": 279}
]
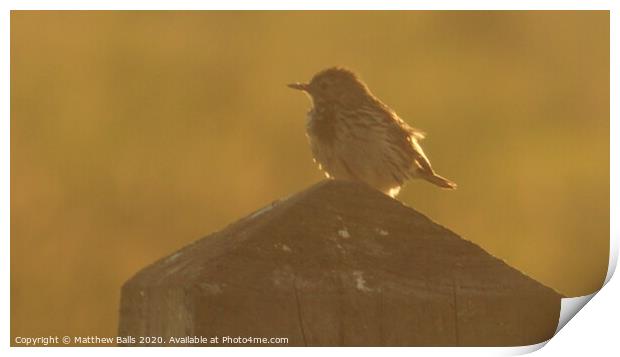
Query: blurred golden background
[{"x": 135, "y": 133}]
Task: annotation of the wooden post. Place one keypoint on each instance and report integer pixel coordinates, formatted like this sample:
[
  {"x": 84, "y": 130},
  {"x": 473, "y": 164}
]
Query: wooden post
[{"x": 339, "y": 264}]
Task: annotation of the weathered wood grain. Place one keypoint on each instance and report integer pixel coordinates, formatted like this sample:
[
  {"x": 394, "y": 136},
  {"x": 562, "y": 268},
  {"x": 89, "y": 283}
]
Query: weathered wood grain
[{"x": 339, "y": 264}]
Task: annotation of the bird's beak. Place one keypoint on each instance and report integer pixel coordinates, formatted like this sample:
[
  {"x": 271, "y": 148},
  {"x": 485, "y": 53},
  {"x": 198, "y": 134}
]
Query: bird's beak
[{"x": 299, "y": 86}]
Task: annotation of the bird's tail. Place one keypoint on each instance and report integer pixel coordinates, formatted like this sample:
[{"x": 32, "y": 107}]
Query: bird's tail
[{"x": 440, "y": 181}]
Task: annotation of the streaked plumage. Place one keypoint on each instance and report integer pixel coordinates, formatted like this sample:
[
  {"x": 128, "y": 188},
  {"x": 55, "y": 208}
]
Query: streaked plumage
[{"x": 354, "y": 136}]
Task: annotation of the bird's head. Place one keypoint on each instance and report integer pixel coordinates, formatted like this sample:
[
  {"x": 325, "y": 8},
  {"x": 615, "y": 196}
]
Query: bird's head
[{"x": 334, "y": 85}]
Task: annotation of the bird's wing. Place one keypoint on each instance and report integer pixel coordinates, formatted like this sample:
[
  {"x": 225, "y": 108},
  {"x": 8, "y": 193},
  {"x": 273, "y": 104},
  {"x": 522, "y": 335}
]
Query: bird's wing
[
  {"x": 407, "y": 138},
  {"x": 413, "y": 136},
  {"x": 416, "y": 133},
  {"x": 421, "y": 159}
]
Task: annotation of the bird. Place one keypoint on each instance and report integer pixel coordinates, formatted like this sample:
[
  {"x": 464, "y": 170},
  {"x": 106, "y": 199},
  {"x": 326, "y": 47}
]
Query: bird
[{"x": 354, "y": 136}]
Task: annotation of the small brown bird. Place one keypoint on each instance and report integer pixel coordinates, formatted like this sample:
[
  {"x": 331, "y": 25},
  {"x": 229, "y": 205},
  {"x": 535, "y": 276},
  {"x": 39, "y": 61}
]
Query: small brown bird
[{"x": 354, "y": 136}]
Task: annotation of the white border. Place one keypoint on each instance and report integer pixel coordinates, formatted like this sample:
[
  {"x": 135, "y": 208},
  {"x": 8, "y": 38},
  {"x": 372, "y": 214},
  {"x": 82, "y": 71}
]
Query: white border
[{"x": 594, "y": 328}]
